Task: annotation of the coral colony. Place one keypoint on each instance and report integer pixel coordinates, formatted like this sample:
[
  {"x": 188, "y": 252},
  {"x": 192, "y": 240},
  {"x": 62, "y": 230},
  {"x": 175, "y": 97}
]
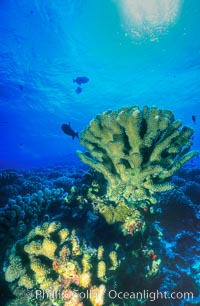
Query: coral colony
[
  {"x": 134, "y": 153},
  {"x": 137, "y": 151}
]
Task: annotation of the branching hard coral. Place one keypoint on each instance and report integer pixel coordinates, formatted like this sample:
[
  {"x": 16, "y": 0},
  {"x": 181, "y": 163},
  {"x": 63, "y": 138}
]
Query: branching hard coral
[
  {"x": 33, "y": 256},
  {"x": 8, "y": 177},
  {"x": 136, "y": 151},
  {"x": 52, "y": 257},
  {"x": 24, "y": 212}
]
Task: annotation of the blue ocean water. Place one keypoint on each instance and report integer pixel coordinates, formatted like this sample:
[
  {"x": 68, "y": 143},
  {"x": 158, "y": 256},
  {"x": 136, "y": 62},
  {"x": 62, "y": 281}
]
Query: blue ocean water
[
  {"x": 134, "y": 52},
  {"x": 44, "y": 46}
]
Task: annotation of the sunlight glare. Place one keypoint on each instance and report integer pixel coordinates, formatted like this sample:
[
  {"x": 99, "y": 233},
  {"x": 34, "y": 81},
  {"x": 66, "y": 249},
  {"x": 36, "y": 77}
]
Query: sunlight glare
[{"x": 149, "y": 16}]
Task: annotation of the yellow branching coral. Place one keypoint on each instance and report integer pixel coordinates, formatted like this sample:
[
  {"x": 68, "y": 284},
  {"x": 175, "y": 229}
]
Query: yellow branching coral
[
  {"x": 86, "y": 262},
  {"x": 101, "y": 270},
  {"x": 52, "y": 257},
  {"x": 85, "y": 280},
  {"x": 114, "y": 260},
  {"x": 76, "y": 249},
  {"x": 48, "y": 248},
  {"x": 63, "y": 234},
  {"x": 136, "y": 151},
  {"x": 30, "y": 261},
  {"x": 26, "y": 281},
  {"x": 100, "y": 252},
  {"x": 15, "y": 269},
  {"x": 97, "y": 295}
]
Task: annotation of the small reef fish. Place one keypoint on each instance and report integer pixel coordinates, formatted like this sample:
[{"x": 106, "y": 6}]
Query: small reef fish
[
  {"x": 81, "y": 80},
  {"x": 78, "y": 90},
  {"x": 194, "y": 118},
  {"x": 68, "y": 130}
]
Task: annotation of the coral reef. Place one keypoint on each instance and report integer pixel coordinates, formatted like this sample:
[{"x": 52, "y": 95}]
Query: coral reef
[
  {"x": 131, "y": 220},
  {"x": 181, "y": 263},
  {"x": 34, "y": 253},
  {"x": 23, "y": 213},
  {"x": 15, "y": 182},
  {"x": 8, "y": 177},
  {"x": 8, "y": 184},
  {"x": 137, "y": 260},
  {"x": 136, "y": 151},
  {"x": 177, "y": 205},
  {"x": 179, "y": 218},
  {"x": 52, "y": 257},
  {"x": 112, "y": 238},
  {"x": 32, "y": 196}
]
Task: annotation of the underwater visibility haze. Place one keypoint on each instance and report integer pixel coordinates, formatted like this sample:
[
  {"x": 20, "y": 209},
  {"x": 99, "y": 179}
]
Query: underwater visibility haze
[
  {"x": 99, "y": 152},
  {"x": 45, "y": 46}
]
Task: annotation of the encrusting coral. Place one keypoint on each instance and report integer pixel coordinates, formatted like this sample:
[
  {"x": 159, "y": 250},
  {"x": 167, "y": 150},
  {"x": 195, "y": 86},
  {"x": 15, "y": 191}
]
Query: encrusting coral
[{"x": 137, "y": 151}]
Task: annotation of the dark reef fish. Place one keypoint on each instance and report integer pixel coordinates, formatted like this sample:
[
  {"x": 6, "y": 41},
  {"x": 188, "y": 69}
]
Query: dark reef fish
[
  {"x": 68, "y": 130},
  {"x": 194, "y": 118},
  {"x": 78, "y": 90},
  {"x": 81, "y": 80}
]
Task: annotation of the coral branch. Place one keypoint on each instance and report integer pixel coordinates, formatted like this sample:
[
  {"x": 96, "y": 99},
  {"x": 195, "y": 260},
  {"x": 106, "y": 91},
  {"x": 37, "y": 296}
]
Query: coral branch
[{"x": 136, "y": 151}]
